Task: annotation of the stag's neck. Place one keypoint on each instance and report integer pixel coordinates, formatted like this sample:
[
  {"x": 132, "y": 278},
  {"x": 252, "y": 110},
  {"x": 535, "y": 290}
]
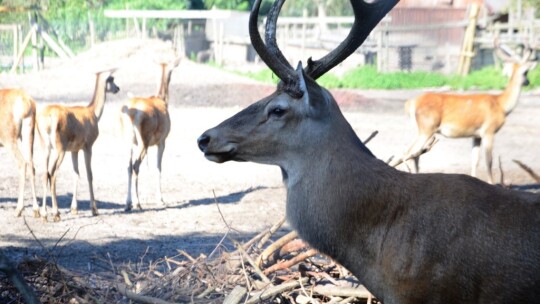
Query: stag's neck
[
  {"x": 509, "y": 98},
  {"x": 98, "y": 101},
  {"x": 344, "y": 189}
]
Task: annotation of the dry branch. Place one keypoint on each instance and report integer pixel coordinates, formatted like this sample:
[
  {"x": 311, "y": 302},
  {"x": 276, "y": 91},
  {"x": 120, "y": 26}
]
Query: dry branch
[
  {"x": 289, "y": 263},
  {"x": 270, "y": 232},
  {"x": 139, "y": 298},
  {"x": 427, "y": 147},
  {"x": 370, "y": 137},
  {"x": 273, "y": 291},
  {"x": 341, "y": 291},
  {"x": 528, "y": 169},
  {"x": 276, "y": 245},
  {"x": 236, "y": 295}
]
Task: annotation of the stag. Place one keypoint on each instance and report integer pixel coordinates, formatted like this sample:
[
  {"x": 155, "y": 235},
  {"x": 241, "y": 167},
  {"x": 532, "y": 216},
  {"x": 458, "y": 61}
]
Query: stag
[
  {"x": 147, "y": 123},
  {"x": 71, "y": 129},
  {"x": 409, "y": 238},
  {"x": 18, "y": 116},
  {"x": 479, "y": 115}
]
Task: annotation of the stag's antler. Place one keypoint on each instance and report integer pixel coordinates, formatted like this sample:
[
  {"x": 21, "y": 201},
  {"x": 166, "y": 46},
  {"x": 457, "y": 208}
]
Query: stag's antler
[
  {"x": 366, "y": 17},
  {"x": 504, "y": 52},
  {"x": 271, "y": 54}
]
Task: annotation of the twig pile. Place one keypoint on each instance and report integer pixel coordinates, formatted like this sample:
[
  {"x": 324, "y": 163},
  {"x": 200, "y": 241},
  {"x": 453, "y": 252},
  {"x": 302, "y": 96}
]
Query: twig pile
[{"x": 286, "y": 271}]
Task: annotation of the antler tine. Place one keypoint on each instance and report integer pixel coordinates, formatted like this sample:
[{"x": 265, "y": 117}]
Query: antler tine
[
  {"x": 366, "y": 17},
  {"x": 528, "y": 51},
  {"x": 271, "y": 55},
  {"x": 503, "y": 52}
]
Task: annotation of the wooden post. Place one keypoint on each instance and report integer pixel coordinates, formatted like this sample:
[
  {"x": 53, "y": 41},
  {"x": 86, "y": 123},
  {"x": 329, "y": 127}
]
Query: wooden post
[
  {"x": 468, "y": 41},
  {"x": 380, "y": 51},
  {"x": 15, "y": 41},
  {"x": 303, "y": 44},
  {"x": 92, "y": 29},
  {"x": 143, "y": 30},
  {"x": 30, "y": 34},
  {"x": 35, "y": 55}
]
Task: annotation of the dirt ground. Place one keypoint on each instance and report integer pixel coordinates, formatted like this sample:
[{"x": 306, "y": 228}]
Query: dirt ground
[{"x": 250, "y": 196}]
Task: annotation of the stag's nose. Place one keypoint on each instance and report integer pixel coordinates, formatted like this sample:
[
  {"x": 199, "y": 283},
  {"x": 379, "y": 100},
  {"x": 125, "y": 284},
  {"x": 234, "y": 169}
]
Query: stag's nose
[{"x": 203, "y": 141}]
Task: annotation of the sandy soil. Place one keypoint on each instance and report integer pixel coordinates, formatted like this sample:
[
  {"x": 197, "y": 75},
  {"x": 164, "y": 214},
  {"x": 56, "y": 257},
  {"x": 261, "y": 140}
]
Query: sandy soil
[{"x": 249, "y": 196}]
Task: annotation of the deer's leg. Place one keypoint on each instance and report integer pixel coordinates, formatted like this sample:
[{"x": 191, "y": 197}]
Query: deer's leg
[
  {"x": 59, "y": 157},
  {"x": 89, "y": 176},
  {"x": 129, "y": 202},
  {"x": 475, "y": 156},
  {"x": 46, "y": 181},
  {"x": 21, "y": 164},
  {"x": 487, "y": 145},
  {"x": 28, "y": 138},
  {"x": 25, "y": 159},
  {"x": 140, "y": 153},
  {"x": 75, "y": 161},
  {"x": 161, "y": 149}
]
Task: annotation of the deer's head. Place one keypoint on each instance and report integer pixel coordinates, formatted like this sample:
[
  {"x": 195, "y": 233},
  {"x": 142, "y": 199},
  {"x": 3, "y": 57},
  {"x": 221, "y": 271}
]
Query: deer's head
[
  {"x": 515, "y": 65},
  {"x": 300, "y": 115},
  {"x": 110, "y": 86}
]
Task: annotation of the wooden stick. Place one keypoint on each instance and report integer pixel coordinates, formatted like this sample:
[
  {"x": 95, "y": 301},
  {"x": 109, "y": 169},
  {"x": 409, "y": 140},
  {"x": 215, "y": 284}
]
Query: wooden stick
[
  {"x": 270, "y": 232},
  {"x": 236, "y": 295},
  {"x": 289, "y": 263},
  {"x": 292, "y": 246},
  {"x": 276, "y": 245},
  {"x": 251, "y": 262},
  {"x": 370, "y": 137},
  {"x": 139, "y": 298},
  {"x": 271, "y": 292},
  {"x": 427, "y": 147},
  {"x": 528, "y": 169},
  {"x": 339, "y": 291}
]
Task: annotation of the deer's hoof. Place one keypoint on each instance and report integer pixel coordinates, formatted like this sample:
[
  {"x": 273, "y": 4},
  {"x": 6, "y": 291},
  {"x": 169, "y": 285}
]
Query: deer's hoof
[
  {"x": 74, "y": 211},
  {"x": 128, "y": 208},
  {"x": 95, "y": 212},
  {"x": 44, "y": 219},
  {"x": 138, "y": 206},
  {"x": 18, "y": 212},
  {"x": 36, "y": 214},
  {"x": 56, "y": 218}
]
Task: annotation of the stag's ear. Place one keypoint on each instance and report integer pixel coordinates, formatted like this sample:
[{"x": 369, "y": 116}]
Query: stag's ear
[{"x": 313, "y": 93}]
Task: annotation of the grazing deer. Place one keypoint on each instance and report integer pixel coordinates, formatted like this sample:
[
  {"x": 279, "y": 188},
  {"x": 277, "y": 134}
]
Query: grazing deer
[
  {"x": 479, "y": 116},
  {"x": 409, "y": 238},
  {"x": 147, "y": 122},
  {"x": 71, "y": 129},
  {"x": 18, "y": 115}
]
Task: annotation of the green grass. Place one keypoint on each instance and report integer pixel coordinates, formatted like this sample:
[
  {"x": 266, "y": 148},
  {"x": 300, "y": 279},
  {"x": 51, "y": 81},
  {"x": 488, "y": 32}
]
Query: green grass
[{"x": 367, "y": 77}]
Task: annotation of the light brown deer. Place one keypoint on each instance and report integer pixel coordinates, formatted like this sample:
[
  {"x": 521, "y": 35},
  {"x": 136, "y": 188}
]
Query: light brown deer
[
  {"x": 18, "y": 115},
  {"x": 409, "y": 238},
  {"x": 479, "y": 116},
  {"x": 72, "y": 129},
  {"x": 147, "y": 123}
]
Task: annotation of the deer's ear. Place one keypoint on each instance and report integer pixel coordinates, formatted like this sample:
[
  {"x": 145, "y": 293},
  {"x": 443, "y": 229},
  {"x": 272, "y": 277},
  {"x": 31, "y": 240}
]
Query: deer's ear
[{"x": 313, "y": 96}]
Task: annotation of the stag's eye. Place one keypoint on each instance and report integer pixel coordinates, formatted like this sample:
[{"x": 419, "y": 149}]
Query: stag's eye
[{"x": 277, "y": 112}]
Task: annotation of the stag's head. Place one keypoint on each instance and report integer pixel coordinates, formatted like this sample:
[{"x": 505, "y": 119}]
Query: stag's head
[
  {"x": 516, "y": 65},
  {"x": 300, "y": 115}
]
